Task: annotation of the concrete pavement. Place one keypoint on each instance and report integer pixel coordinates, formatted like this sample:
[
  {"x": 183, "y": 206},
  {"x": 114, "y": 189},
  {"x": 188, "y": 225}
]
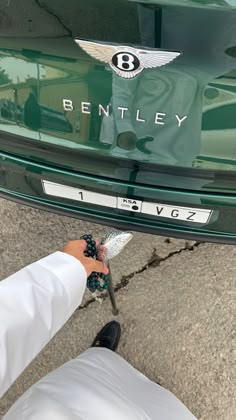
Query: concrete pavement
[{"x": 177, "y": 309}]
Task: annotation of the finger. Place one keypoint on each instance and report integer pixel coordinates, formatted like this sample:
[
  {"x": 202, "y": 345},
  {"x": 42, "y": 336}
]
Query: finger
[
  {"x": 82, "y": 244},
  {"x": 78, "y": 243},
  {"x": 100, "y": 267}
]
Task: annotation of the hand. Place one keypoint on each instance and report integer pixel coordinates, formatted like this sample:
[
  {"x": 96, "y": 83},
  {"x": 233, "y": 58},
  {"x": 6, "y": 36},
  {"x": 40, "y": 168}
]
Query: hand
[{"x": 76, "y": 249}]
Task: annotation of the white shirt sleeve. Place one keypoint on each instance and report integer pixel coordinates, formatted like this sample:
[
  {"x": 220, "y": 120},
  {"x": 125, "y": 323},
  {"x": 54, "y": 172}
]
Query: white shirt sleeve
[{"x": 34, "y": 304}]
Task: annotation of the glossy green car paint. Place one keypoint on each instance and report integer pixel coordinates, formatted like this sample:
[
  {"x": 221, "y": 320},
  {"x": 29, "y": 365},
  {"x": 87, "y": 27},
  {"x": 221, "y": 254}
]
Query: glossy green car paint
[{"x": 174, "y": 142}]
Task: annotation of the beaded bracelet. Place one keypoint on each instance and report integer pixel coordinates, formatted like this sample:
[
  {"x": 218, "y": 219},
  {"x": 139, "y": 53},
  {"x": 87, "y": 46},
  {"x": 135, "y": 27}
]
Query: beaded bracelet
[{"x": 96, "y": 281}]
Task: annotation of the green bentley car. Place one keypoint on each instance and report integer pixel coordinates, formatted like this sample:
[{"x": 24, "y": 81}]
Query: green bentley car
[{"x": 122, "y": 112}]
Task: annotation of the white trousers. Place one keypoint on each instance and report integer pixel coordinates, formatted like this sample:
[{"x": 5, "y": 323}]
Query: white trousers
[{"x": 97, "y": 385}]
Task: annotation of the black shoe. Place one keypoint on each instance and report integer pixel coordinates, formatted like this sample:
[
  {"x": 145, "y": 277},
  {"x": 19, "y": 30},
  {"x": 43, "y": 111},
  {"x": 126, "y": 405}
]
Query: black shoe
[{"x": 109, "y": 336}]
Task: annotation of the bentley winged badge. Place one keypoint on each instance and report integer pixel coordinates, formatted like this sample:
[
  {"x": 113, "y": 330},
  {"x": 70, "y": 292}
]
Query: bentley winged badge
[{"x": 127, "y": 62}]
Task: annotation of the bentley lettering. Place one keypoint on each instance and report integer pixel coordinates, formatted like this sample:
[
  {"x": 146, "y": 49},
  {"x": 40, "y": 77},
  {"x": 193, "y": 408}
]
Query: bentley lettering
[{"x": 122, "y": 112}]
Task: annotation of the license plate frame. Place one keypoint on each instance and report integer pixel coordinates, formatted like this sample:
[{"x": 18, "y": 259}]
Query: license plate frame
[{"x": 167, "y": 211}]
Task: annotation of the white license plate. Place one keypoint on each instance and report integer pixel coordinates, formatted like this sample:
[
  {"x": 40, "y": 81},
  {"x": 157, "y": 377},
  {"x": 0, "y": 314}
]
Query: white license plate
[
  {"x": 78, "y": 194},
  {"x": 177, "y": 213},
  {"x": 155, "y": 209}
]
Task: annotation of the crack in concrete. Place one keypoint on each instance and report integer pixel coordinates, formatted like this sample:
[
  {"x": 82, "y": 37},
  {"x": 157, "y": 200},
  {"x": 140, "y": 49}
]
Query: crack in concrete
[{"x": 154, "y": 261}]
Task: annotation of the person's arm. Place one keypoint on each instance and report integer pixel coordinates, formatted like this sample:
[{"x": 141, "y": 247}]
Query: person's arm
[
  {"x": 123, "y": 97},
  {"x": 34, "y": 304}
]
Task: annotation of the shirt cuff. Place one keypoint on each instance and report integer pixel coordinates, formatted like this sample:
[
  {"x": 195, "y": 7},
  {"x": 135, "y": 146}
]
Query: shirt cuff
[{"x": 71, "y": 273}]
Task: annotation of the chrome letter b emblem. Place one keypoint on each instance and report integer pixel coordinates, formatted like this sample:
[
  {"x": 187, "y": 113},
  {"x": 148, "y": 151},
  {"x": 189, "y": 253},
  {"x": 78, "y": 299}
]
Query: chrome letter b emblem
[{"x": 127, "y": 61}]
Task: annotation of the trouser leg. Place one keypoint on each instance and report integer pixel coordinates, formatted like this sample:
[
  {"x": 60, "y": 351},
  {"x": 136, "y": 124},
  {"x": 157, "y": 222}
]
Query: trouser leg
[{"x": 98, "y": 385}]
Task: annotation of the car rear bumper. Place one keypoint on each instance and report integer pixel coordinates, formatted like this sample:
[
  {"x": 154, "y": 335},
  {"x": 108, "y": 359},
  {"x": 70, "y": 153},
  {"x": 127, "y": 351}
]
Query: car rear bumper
[{"x": 21, "y": 181}]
